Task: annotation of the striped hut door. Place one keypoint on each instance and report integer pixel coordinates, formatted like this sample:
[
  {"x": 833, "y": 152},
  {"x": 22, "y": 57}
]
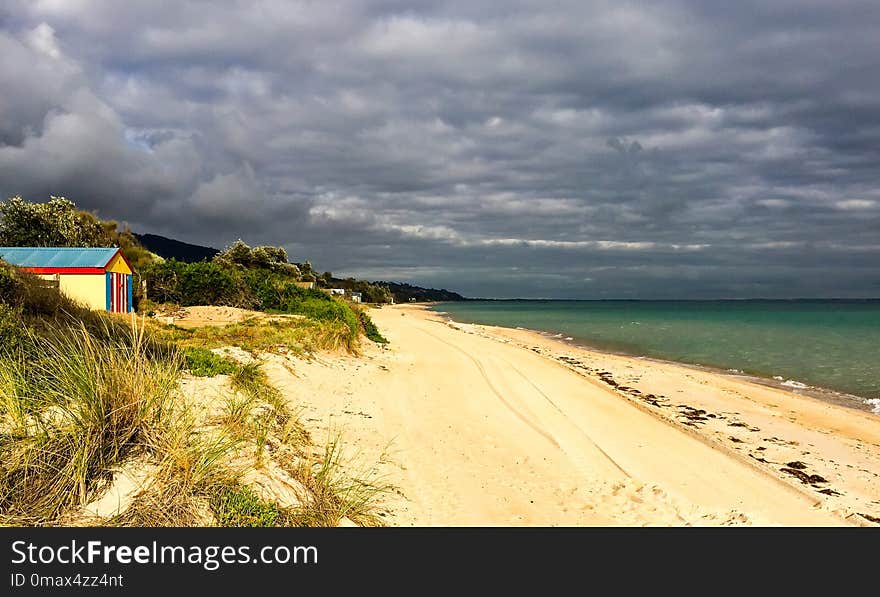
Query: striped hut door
[
  {"x": 123, "y": 293},
  {"x": 118, "y": 289},
  {"x": 118, "y": 293}
]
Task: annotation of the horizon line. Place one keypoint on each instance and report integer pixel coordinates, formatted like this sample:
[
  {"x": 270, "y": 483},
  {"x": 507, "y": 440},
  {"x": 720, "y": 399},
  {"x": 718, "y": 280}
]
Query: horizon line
[{"x": 802, "y": 298}]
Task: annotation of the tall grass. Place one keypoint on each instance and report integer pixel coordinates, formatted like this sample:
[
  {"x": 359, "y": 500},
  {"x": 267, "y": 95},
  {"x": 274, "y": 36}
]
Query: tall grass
[
  {"x": 336, "y": 493},
  {"x": 256, "y": 412},
  {"x": 72, "y": 409},
  {"x": 83, "y": 394},
  {"x": 192, "y": 468}
]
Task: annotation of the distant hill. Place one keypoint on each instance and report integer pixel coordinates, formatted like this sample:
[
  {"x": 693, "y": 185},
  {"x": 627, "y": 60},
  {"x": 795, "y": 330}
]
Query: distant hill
[
  {"x": 168, "y": 248},
  {"x": 404, "y": 292}
]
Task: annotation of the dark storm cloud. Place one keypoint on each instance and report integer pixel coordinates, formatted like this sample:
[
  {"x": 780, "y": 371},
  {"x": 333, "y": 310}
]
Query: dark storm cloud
[{"x": 572, "y": 149}]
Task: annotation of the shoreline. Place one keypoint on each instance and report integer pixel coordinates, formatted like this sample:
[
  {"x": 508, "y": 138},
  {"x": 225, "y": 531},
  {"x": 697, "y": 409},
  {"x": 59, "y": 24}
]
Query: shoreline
[
  {"x": 829, "y": 395},
  {"x": 473, "y": 425},
  {"x": 794, "y": 436}
]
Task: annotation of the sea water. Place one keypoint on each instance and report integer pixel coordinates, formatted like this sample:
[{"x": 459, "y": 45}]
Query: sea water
[{"x": 832, "y": 344}]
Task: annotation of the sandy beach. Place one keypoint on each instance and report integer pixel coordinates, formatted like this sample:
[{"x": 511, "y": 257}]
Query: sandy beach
[{"x": 478, "y": 425}]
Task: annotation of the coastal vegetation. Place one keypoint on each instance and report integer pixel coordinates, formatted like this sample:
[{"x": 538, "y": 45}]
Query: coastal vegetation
[
  {"x": 204, "y": 363},
  {"x": 114, "y": 421},
  {"x": 298, "y": 335},
  {"x": 259, "y": 278},
  {"x": 86, "y": 399},
  {"x": 58, "y": 223},
  {"x": 372, "y": 292}
]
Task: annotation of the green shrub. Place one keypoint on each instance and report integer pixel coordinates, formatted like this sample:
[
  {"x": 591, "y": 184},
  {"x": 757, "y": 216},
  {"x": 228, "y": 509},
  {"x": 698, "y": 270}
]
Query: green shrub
[
  {"x": 239, "y": 506},
  {"x": 8, "y": 284},
  {"x": 370, "y": 329},
  {"x": 271, "y": 258},
  {"x": 225, "y": 282},
  {"x": 207, "y": 283},
  {"x": 13, "y": 332},
  {"x": 56, "y": 223},
  {"x": 204, "y": 363},
  {"x": 202, "y": 283}
]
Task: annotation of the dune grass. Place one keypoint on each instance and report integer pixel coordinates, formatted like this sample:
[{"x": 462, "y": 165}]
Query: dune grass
[
  {"x": 85, "y": 406},
  {"x": 83, "y": 394},
  {"x": 337, "y": 493},
  {"x": 192, "y": 468},
  {"x": 301, "y": 336},
  {"x": 72, "y": 410}
]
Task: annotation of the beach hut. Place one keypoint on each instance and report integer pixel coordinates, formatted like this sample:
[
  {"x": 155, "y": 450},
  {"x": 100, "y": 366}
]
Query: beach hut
[{"x": 96, "y": 278}]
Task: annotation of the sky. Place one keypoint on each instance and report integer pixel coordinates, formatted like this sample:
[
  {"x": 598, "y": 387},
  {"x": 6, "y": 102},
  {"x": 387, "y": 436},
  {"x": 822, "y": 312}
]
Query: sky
[{"x": 518, "y": 148}]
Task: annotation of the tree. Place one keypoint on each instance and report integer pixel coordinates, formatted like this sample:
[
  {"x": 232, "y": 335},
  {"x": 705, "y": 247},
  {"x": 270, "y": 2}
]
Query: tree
[
  {"x": 288, "y": 269},
  {"x": 260, "y": 258},
  {"x": 276, "y": 254},
  {"x": 239, "y": 253},
  {"x": 265, "y": 257},
  {"x": 56, "y": 223}
]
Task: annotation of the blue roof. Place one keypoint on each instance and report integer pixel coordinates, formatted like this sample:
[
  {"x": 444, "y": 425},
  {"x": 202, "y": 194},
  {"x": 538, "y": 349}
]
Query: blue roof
[{"x": 57, "y": 256}]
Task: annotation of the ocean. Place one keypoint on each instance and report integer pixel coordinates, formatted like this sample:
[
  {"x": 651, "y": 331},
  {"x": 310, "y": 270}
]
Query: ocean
[{"x": 802, "y": 344}]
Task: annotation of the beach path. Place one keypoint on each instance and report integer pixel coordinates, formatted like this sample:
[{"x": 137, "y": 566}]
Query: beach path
[{"x": 478, "y": 432}]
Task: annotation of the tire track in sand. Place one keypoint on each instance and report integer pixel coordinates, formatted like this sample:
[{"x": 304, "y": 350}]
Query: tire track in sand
[
  {"x": 621, "y": 493},
  {"x": 497, "y": 393},
  {"x": 522, "y": 417}
]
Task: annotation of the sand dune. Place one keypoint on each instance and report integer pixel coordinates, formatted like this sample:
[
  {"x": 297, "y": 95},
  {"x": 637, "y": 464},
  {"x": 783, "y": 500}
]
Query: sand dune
[{"x": 480, "y": 426}]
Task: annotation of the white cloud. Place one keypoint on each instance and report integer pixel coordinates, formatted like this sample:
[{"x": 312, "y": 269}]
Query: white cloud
[
  {"x": 42, "y": 38},
  {"x": 856, "y": 204}
]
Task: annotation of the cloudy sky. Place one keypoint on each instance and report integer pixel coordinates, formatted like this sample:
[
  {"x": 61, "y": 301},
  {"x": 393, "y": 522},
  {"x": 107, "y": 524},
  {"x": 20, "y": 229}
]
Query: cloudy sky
[{"x": 532, "y": 148}]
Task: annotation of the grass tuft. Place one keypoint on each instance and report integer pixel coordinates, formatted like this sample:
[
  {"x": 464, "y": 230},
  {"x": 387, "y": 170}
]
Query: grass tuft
[
  {"x": 192, "y": 466},
  {"x": 204, "y": 363},
  {"x": 74, "y": 408},
  {"x": 337, "y": 494},
  {"x": 239, "y": 506}
]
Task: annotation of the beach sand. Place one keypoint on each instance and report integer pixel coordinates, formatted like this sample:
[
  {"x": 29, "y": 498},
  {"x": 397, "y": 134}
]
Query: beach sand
[{"x": 478, "y": 425}]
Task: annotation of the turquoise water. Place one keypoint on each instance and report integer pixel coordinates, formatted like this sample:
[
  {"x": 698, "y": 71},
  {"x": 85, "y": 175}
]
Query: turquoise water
[{"x": 829, "y": 344}]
